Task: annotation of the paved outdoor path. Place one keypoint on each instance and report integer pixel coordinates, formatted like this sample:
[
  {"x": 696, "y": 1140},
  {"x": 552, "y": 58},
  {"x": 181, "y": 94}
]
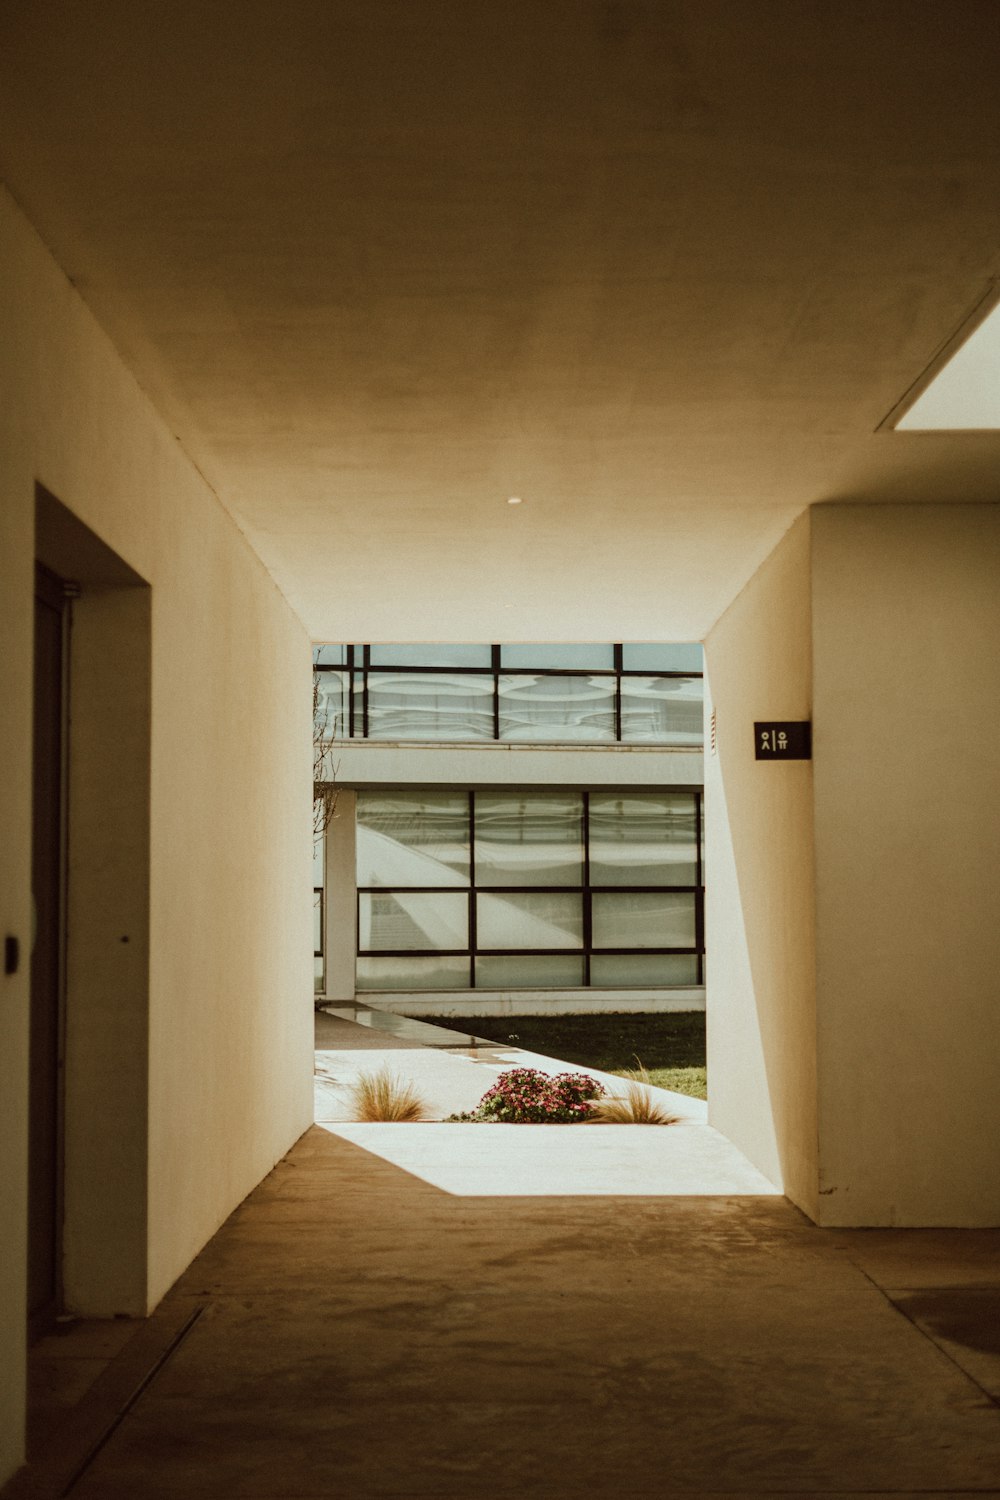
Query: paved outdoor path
[
  {"x": 420, "y": 1311},
  {"x": 451, "y": 1071},
  {"x": 361, "y": 1333}
]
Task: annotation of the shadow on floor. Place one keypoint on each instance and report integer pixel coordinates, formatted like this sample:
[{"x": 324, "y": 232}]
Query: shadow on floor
[{"x": 352, "y": 1331}]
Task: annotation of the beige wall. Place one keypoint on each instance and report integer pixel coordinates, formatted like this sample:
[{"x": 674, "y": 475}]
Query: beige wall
[
  {"x": 853, "y": 946},
  {"x": 759, "y": 892},
  {"x": 229, "y": 774},
  {"x": 906, "y": 625}
]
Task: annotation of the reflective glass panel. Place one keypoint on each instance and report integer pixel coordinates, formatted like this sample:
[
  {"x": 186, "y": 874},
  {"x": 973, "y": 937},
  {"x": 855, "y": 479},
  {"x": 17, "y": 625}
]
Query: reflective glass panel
[
  {"x": 428, "y": 706},
  {"x": 319, "y": 984},
  {"x": 413, "y": 973},
  {"x": 529, "y": 838},
  {"x": 623, "y": 970},
  {"x": 329, "y": 656},
  {"x": 440, "y": 654},
  {"x": 318, "y": 875},
  {"x": 662, "y": 710},
  {"x": 642, "y": 838},
  {"x": 578, "y": 658},
  {"x": 659, "y": 656},
  {"x": 530, "y": 919},
  {"x": 529, "y": 971},
  {"x": 557, "y": 708},
  {"x": 413, "y": 920},
  {"x": 331, "y": 717},
  {"x": 409, "y": 838},
  {"x": 643, "y": 919},
  {"x": 317, "y": 923}
]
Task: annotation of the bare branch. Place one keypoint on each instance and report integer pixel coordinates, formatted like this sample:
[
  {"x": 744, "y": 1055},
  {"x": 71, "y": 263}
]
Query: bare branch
[{"x": 325, "y": 789}]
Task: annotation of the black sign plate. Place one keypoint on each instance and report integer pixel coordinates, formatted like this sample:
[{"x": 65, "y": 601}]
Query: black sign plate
[{"x": 785, "y": 740}]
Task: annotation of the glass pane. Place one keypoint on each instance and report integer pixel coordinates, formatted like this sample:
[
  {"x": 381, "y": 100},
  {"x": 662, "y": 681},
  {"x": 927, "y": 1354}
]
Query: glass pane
[
  {"x": 557, "y": 708},
  {"x": 580, "y": 658},
  {"x": 413, "y": 838},
  {"x": 317, "y": 923},
  {"x": 643, "y": 919},
  {"x": 412, "y": 973},
  {"x": 440, "y": 654},
  {"x": 413, "y": 920},
  {"x": 318, "y": 856},
  {"x": 329, "y": 656},
  {"x": 319, "y": 984},
  {"x": 429, "y": 706},
  {"x": 664, "y": 710},
  {"x": 331, "y": 718},
  {"x": 530, "y": 919},
  {"x": 529, "y": 838},
  {"x": 529, "y": 971},
  {"x": 642, "y": 838},
  {"x": 623, "y": 970},
  {"x": 658, "y": 656}
]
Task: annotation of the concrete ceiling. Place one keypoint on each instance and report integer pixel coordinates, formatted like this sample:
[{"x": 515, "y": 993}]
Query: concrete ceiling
[{"x": 660, "y": 267}]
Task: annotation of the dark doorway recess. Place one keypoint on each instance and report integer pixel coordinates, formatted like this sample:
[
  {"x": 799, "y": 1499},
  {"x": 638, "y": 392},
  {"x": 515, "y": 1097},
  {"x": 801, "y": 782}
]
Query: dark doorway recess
[{"x": 47, "y": 865}]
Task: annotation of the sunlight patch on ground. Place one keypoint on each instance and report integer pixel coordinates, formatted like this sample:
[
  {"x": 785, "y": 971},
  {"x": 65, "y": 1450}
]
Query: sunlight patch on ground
[{"x": 550, "y": 1161}]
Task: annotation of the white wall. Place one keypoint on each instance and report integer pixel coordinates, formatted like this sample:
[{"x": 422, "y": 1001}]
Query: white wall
[
  {"x": 906, "y": 626},
  {"x": 532, "y": 1002},
  {"x": 229, "y": 788},
  {"x": 370, "y": 764},
  {"x": 759, "y": 878}
]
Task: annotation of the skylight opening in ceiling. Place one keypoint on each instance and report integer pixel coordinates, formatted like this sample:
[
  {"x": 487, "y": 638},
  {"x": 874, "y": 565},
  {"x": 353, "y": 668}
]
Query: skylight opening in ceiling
[{"x": 964, "y": 395}]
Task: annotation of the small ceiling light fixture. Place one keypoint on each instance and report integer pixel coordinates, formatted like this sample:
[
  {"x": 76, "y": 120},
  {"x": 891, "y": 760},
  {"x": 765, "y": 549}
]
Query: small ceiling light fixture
[{"x": 514, "y": 500}]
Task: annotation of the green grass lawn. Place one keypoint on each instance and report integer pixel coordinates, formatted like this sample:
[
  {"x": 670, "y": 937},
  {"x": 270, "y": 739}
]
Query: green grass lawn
[{"x": 671, "y": 1047}]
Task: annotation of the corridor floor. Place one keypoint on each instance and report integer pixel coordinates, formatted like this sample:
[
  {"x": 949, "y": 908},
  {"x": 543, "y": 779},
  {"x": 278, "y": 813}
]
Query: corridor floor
[{"x": 360, "y": 1333}]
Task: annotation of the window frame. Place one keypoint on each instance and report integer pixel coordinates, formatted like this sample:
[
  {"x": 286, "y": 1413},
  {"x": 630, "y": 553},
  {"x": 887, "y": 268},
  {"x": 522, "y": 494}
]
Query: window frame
[
  {"x": 358, "y": 668},
  {"x": 585, "y": 889}
]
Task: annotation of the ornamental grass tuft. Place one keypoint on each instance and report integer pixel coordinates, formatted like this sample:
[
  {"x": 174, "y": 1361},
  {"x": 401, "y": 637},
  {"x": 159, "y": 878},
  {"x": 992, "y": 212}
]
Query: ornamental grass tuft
[
  {"x": 385, "y": 1096},
  {"x": 637, "y": 1106},
  {"x": 524, "y": 1096}
]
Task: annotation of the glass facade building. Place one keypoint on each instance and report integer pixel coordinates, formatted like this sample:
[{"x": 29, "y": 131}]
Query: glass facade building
[
  {"x": 524, "y": 694},
  {"x": 529, "y": 890},
  {"x": 489, "y": 887}
]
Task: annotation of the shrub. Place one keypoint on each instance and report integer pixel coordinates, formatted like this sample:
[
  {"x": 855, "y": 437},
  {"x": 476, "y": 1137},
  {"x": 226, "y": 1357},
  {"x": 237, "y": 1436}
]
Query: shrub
[
  {"x": 637, "y": 1106},
  {"x": 384, "y": 1096},
  {"x": 524, "y": 1096}
]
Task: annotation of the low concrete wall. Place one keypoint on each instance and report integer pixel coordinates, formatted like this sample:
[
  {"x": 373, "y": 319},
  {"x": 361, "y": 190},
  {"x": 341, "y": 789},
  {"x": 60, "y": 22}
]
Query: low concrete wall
[
  {"x": 531, "y": 1002},
  {"x": 370, "y": 765}
]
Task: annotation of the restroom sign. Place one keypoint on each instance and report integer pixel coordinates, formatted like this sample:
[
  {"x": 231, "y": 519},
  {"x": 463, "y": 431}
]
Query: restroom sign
[{"x": 789, "y": 739}]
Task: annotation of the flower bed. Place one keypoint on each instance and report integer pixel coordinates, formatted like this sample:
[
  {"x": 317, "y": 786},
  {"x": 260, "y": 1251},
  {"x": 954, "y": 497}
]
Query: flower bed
[{"x": 524, "y": 1096}]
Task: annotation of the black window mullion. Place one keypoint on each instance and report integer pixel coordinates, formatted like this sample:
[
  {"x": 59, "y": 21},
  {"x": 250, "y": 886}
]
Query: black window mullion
[
  {"x": 495, "y": 650},
  {"x": 699, "y": 904},
  {"x": 366, "y": 653},
  {"x": 618, "y": 693},
  {"x": 697, "y": 840},
  {"x": 699, "y": 930},
  {"x": 350, "y": 692},
  {"x": 319, "y": 891},
  {"x": 472, "y": 839},
  {"x": 473, "y": 933},
  {"x": 585, "y": 893}
]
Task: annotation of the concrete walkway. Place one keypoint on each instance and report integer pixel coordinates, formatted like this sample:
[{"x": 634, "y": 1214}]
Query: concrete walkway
[
  {"x": 451, "y": 1072},
  {"x": 359, "y": 1333},
  {"x": 354, "y": 1332}
]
